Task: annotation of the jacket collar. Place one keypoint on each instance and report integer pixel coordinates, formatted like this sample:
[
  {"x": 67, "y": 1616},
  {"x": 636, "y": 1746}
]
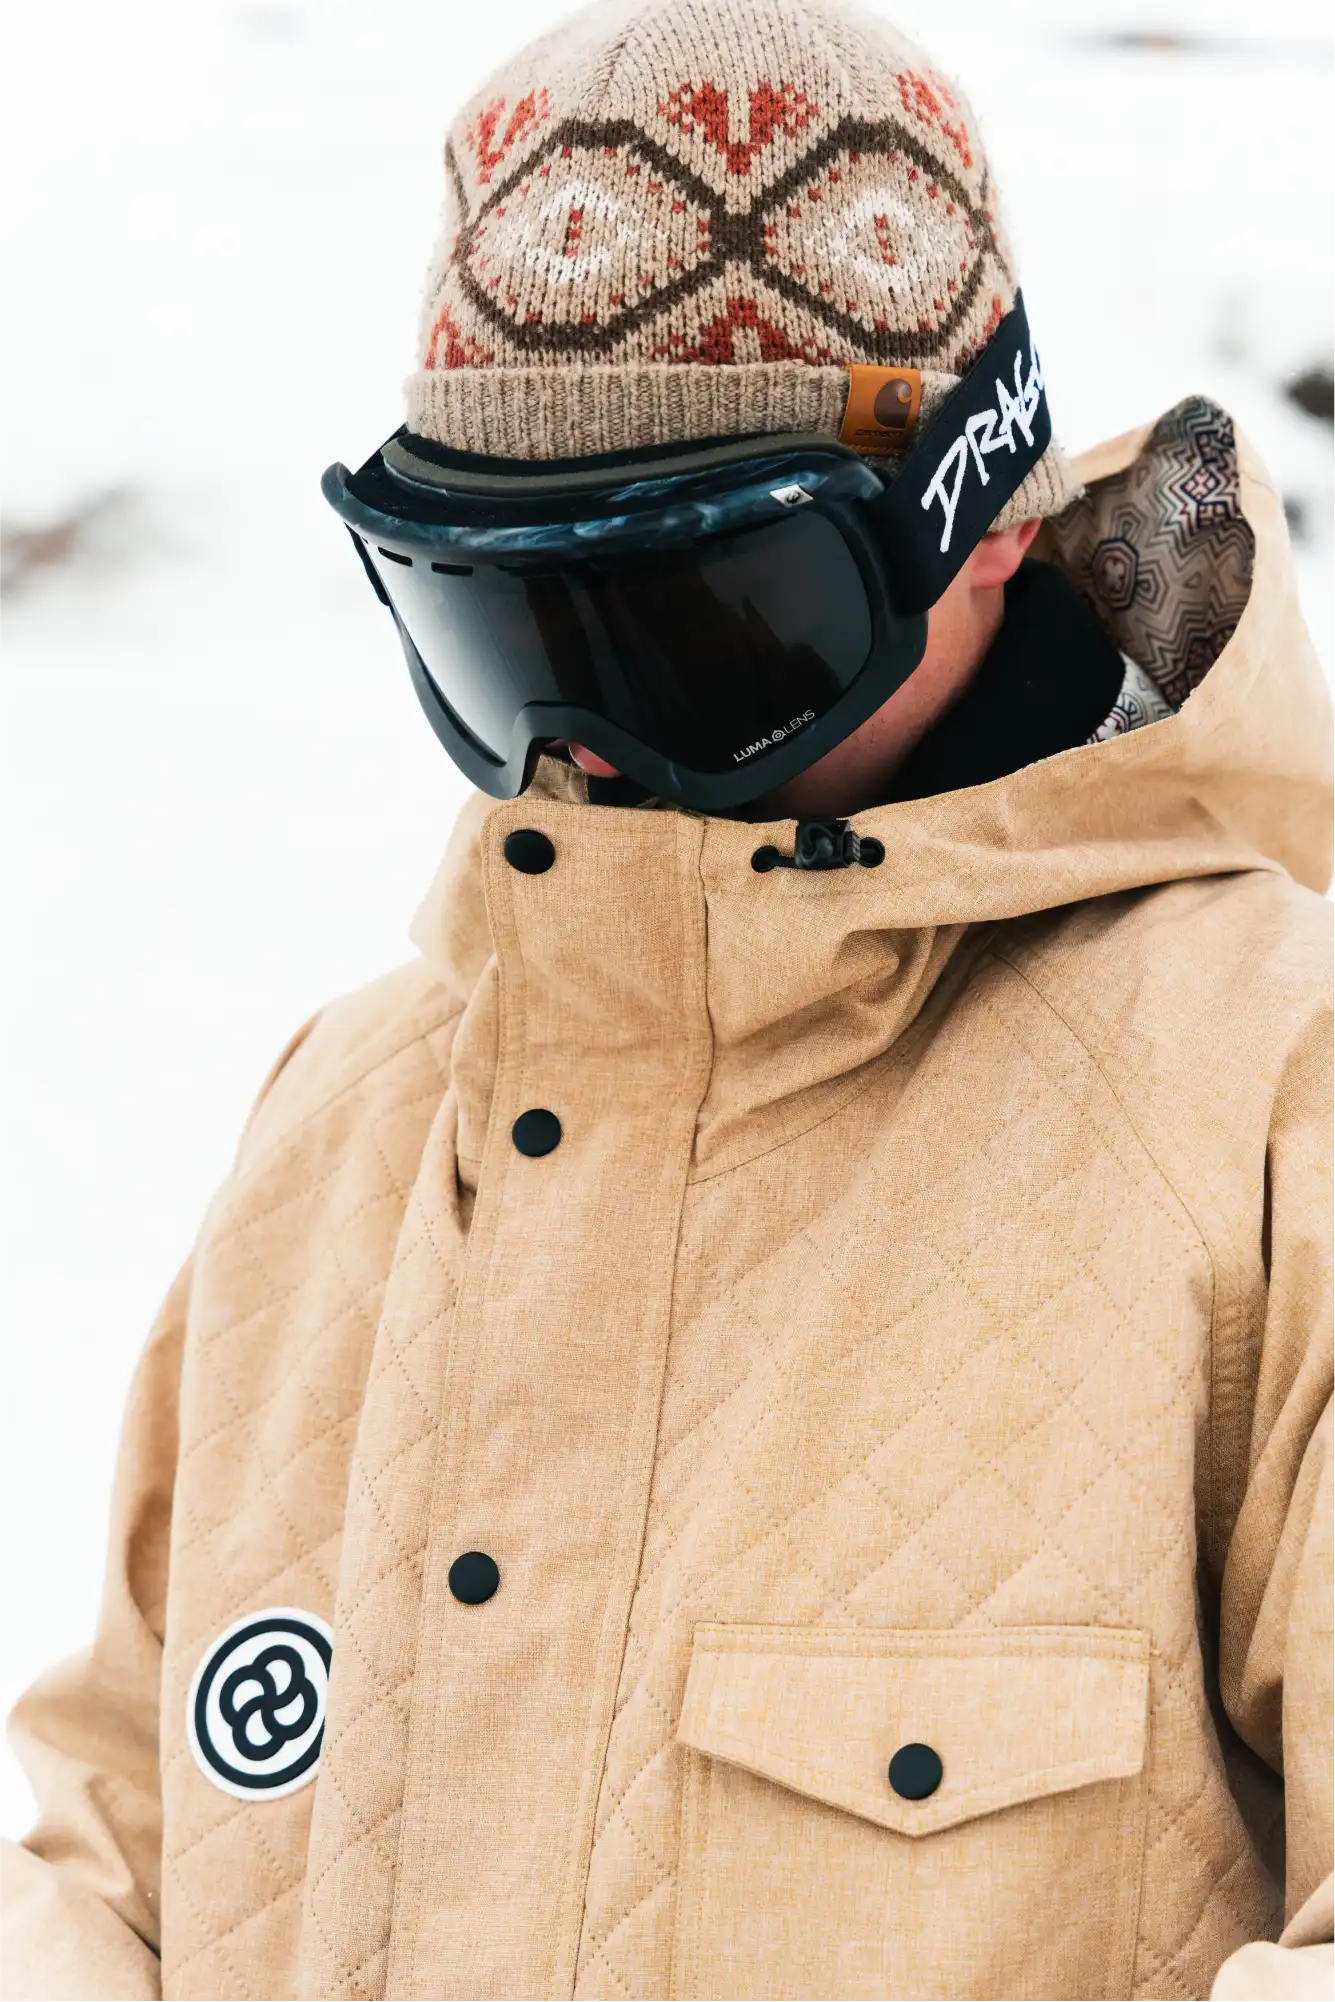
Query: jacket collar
[{"x": 807, "y": 979}]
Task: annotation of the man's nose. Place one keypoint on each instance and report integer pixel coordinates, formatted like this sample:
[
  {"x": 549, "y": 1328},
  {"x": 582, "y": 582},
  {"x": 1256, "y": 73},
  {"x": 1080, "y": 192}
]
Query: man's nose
[{"x": 589, "y": 761}]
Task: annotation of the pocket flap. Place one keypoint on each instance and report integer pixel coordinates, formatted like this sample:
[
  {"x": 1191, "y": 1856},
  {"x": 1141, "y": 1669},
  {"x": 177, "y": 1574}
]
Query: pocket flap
[{"x": 1012, "y": 1713}]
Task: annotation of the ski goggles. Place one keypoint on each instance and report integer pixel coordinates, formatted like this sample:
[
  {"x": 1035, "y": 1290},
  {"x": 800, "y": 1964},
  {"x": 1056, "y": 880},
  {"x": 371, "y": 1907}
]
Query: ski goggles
[{"x": 708, "y": 618}]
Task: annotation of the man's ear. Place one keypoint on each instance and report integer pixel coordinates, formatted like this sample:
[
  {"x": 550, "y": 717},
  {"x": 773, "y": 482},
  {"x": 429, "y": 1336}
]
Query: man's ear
[{"x": 999, "y": 555}]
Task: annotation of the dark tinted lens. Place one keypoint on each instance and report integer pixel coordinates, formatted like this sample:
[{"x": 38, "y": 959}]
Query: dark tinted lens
[{"x": 701, "y": 653}]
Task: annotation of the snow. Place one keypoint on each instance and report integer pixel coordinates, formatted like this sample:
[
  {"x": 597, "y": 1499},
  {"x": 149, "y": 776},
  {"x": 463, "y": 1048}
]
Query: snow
[{"x": 221, "y": 803}]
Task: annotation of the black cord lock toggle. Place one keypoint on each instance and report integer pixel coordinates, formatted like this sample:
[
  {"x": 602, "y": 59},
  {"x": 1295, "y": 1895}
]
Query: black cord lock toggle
[{"x": 823, "y": 844}]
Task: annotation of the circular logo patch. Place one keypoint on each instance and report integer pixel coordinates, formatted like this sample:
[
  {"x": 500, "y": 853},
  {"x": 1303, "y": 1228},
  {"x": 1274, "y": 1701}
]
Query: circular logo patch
[{"x": 255, "y": 1714}]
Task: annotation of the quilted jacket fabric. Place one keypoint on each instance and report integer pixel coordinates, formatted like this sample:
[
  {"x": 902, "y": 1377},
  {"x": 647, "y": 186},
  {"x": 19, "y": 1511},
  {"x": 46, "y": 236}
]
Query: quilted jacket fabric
[{"x": 920, "y": 1334}]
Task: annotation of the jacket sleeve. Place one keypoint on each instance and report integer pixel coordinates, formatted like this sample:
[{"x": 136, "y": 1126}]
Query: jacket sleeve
[
  {"x": 81, "y": 1895},
  {"x": 1275, "y": 1633}
]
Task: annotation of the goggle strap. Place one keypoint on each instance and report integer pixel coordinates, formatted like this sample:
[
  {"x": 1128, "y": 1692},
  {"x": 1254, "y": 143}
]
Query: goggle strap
[{"x": 976, "y": 452}]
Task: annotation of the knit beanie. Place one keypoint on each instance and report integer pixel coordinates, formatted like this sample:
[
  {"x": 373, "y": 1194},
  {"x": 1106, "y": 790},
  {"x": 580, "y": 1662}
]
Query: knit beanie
[{"x": 679, "y": 219}]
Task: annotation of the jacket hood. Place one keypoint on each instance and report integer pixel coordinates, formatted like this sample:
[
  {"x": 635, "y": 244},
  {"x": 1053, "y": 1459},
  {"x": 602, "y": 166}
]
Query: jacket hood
[{"x": 1179, "y": 544}]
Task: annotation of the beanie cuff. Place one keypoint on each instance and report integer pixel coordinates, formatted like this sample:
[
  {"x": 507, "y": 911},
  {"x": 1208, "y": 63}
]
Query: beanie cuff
[
  {"x": 549, "y": 413},
  {"x": 555, "y": 413}
]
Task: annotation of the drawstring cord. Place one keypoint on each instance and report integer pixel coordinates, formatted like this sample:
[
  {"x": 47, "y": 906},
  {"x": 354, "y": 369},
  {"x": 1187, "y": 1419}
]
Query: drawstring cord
[{"x": 823, "y": 844}]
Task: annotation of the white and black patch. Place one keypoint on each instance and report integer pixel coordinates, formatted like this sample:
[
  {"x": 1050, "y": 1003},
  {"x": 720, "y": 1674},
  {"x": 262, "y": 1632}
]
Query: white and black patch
[{"x": 256, "y": 1709}]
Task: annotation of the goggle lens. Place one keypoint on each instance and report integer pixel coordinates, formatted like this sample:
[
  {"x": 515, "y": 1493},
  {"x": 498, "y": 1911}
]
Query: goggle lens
[{"x": 704, "y": 651}]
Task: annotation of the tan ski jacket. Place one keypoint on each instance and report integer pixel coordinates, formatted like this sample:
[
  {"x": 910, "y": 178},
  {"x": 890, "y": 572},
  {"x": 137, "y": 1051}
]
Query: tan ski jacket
[{"x": 893, "y": 1417}]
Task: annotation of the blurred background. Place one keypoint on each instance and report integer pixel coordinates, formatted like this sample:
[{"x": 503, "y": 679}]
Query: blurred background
[{"x": 221, "y": 801}]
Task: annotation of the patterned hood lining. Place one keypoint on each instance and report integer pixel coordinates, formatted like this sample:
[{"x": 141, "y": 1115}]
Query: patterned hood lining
[{"x": 1161, "y": 552}]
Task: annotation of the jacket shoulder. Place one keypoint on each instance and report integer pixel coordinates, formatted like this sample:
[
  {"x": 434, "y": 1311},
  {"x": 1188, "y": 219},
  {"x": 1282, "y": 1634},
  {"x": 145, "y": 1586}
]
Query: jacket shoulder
[
  {"x": 1205, "y": 1004},
  {"x": 1211, "y": 963},
  {"x": 392, "y": 1035}
]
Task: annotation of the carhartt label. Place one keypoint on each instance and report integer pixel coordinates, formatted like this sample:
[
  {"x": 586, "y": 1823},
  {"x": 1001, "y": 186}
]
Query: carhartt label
[{"x": 882, "y": 407}]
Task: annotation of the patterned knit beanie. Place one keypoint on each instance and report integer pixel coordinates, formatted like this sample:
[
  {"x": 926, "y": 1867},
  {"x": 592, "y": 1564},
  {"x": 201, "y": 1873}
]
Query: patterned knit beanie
[{"x": 676, "y": 219}]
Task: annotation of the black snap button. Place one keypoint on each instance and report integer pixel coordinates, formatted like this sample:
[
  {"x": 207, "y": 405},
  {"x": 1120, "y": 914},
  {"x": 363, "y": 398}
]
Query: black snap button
[
  {"x": 474, "y": 1577},
  {"x": 536, "y": 1132},
  {"x": 528, "y": 851},
  {"x": 915, "y": 1772}
]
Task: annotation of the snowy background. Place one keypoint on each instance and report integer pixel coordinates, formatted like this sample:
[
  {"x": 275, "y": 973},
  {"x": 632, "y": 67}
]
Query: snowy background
[{"x": 221, "y": 803}]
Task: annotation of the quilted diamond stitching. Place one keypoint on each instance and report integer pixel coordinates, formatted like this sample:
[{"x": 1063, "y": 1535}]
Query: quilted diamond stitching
[
  {"x": 1069, "y": 1402},
  {"x": 381, "y": 1104},
  {"x": 831, "y": 1274},
  {"x": 393, "y": 1553}
]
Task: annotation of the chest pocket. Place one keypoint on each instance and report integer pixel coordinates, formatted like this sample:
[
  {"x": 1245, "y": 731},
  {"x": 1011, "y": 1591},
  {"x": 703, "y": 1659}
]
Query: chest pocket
[{"x": 1001, "y": 1856}]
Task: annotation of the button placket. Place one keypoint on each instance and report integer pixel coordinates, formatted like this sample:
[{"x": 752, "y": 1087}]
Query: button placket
[
  {"x": 537, "y": 1131},
  {"x": 618, "y": 934}
]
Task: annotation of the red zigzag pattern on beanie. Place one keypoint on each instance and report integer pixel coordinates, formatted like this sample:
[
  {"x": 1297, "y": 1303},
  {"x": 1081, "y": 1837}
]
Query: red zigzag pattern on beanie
[
  {"x": 526, "y": 115},
  {"x": 716, "y": 345},
  {"x": 929, "y": 100},
  {"x": 704, "y": 107}
]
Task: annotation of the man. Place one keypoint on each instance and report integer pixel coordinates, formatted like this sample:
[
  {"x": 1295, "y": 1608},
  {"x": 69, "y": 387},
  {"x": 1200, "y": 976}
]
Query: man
[{"x": 755, "y": 1422}]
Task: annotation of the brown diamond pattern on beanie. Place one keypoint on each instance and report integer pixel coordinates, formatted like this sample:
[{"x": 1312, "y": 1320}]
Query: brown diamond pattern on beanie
[
  {"x": 649, "y": 231},
  {"x": 708, "y": 185},
  {"x": 868, "y": 230},
  {"x": 603, "y": 233},
  {"x": 559, "y": 269}
]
